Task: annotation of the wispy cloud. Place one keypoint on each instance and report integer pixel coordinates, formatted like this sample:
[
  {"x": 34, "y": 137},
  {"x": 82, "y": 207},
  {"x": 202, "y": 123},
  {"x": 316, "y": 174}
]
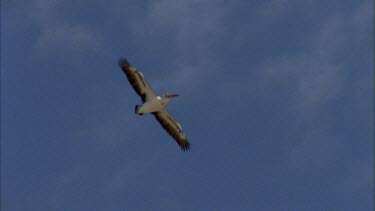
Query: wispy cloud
[
  {"x": 283, "y": 67},
  {"x": 359, "y": 177},
  {"x": 57, "y": 35},
  {"x": 316, "y": 73},
  {"x": 194, "y": 22},
  {"x": 188, "y": 26},
  {"x": 315, "y": 149},
  {"x": 72, "y": 39},
  {"x": 312, "y": 81},
  {"x": 315, "y": 77}
]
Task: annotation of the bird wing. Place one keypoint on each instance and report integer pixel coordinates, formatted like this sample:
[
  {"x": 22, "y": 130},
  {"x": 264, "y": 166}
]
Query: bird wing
[
  {"x": 173, "y": 128},
  {"x": 137, "y": 81}
]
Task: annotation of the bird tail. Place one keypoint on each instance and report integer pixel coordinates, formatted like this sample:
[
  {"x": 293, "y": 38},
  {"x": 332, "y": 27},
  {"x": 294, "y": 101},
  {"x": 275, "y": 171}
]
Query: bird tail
[{"x": 136, "y": 110}]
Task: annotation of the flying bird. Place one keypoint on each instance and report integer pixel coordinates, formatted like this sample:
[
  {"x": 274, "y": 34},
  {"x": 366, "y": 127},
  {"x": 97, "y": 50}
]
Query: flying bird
[{"x": 154, "y": 104}]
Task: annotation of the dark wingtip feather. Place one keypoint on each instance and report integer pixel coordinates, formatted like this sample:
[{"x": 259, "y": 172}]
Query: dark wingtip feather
[
  {"x": 123, "y": 62},
  {"x": 185, "y": 146}
]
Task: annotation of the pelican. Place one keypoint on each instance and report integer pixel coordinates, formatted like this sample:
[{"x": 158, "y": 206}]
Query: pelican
[{"x": 154, "y": 104}]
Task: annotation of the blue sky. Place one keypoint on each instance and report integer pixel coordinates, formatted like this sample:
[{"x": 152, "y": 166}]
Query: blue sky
[{"x": 276, "y": 99}]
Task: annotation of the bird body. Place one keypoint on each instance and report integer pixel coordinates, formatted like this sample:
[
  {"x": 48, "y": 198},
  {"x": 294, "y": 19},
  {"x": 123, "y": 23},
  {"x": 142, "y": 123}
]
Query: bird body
[
  {"x": 154, "y": 104},
  {"x": 151, "y": 106}
]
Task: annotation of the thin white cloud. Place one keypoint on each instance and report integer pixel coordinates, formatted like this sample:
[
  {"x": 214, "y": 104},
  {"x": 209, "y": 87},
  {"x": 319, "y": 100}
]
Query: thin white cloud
[
  {"x": 269, "y": 11},
  {"x": 67, "y": 39},
  {"x": 314, "y": 149},
  {"x": 189, "y": 26},
  {"x": 314, "y": 73},
  {"x": 313, "y": 81},
  {"x": 315, "y": 77},
  {"x": 360, "y": 177},
  {"x": 192, "y": 19},
  {"x": 56, "y": 35}
]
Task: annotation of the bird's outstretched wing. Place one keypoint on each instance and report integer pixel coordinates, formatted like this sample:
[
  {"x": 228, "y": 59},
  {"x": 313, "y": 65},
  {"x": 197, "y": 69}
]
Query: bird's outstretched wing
[
  {"x": 137, "y": 81},
  {"x": 173, "y": 128}
]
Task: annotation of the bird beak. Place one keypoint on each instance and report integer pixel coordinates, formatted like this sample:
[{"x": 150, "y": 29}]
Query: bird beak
[{"x": 172, "y": 95}]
